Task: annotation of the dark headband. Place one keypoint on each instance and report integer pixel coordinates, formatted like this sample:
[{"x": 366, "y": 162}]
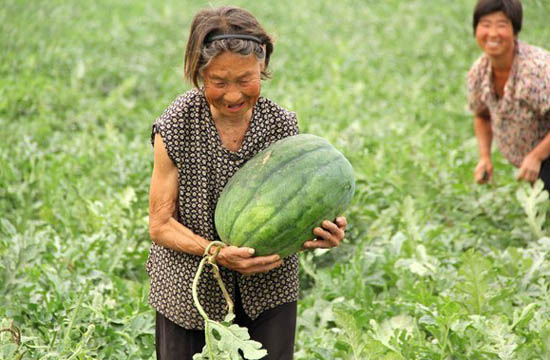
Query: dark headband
[{"x": 234, "y": 36}]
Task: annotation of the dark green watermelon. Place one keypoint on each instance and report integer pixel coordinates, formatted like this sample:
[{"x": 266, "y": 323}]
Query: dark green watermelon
[{"x": 274, "y": 202}]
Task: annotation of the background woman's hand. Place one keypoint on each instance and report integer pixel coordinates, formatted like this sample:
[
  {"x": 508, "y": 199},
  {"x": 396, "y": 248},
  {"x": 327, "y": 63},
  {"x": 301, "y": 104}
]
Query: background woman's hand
[
  {"x": 529, "y": 169},
  {"x": 328, "y": 235},
  {"x": 484, "y": 171},
  {"x": 242, "y": 260}
]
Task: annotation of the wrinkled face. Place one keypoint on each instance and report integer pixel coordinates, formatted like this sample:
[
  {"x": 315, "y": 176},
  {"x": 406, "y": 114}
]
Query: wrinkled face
[
  {"x": 495, "y": 35},
  {"x": 232, "y": 85}
]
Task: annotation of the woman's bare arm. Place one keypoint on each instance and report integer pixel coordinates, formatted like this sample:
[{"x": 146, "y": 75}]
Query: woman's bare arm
[
  {"x": 484, "y": 134},
  {"x": 166, "y": 231},
  {"x": 163, "y": 227}
]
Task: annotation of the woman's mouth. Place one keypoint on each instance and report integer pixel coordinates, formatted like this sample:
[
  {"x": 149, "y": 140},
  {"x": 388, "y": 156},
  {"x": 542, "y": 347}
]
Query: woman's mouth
[{"x": 235, "y": 107}]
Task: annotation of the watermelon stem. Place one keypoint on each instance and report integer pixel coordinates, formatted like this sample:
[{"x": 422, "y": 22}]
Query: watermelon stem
[{"x": 211, "y": 259}]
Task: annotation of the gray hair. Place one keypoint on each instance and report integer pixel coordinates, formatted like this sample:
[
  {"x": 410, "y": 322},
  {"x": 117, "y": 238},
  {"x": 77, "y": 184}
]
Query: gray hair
[{"x": 237, "y": 46}]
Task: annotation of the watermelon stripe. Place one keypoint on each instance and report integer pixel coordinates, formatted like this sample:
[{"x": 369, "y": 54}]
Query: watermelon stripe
[
  {"x": 255, "y": 171},
  {"x": 276, "y": 199},
  {"x": 330, "y": 214},
  {"x": 269, "y": 175},
  {"x": 285, "y": 204}
]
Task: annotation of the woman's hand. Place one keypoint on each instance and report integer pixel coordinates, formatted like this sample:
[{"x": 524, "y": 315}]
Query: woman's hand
[
  {"x": 328, "y": 235},
  {"x": 242, "y": 260},
  {"x": 530, "y": 168},
  {"x": 484, "y": 171}
]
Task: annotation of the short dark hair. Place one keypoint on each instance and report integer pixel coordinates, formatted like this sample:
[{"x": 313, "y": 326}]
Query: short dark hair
[
  {"x": 511, "y": 8},
  {"x": 219, "y": 21}
]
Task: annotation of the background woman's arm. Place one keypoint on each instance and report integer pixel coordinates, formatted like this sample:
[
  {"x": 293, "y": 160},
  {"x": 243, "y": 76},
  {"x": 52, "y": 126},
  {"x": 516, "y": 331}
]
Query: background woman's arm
[
  {"x": 530, "y": 166},
  {"x": 484, "y": 134}
]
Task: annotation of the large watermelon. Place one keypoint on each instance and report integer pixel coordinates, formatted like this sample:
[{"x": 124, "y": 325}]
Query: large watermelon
[{"x": 274, "y": 202}]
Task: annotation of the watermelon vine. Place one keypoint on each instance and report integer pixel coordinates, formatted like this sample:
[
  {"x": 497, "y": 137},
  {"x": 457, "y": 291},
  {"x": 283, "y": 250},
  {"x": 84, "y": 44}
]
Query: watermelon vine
[{"x": 223, "y": 340}]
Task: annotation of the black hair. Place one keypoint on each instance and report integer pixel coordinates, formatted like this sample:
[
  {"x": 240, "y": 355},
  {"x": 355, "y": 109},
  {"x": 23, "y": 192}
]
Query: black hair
[{"x": 511, "y": 8}]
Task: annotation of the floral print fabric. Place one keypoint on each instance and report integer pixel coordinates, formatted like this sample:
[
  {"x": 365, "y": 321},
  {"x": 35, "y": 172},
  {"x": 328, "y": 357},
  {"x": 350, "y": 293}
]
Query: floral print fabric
[{"x": 521, "y": 118}]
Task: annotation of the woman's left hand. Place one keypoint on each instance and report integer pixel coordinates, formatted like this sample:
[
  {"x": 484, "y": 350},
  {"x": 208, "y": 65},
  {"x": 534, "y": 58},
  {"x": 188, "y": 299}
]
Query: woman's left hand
[
  {"x": 328, "y": 235},
  {"x": 529, "y": 169}
]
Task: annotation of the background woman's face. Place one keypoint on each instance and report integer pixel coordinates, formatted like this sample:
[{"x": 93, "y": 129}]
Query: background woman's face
[
  {"x": 232, "y": 84},
  {"x": 495, "y": 34}
]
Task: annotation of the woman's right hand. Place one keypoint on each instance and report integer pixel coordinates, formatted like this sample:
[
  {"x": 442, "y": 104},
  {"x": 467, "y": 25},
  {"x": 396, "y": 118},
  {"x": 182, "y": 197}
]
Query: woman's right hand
[
  {"x": 242, "y": 260},
  {"x": 484, "y": 171}
]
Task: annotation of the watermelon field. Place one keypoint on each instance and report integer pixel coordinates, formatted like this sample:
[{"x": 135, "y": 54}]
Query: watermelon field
[{"x": 433, "y": 266}]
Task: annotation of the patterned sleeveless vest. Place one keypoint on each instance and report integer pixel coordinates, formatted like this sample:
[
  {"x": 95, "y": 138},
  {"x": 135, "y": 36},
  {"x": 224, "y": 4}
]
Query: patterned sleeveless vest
[{"x": 204, "y": 167}]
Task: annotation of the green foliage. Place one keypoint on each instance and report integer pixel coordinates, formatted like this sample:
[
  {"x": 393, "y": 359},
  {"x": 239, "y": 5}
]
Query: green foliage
[
  {"x": 226, "y": 341},
  {"x": 535, "y": 203},
  {"x": 223, "y": 340},
  {"x": 433, "y": 266}
]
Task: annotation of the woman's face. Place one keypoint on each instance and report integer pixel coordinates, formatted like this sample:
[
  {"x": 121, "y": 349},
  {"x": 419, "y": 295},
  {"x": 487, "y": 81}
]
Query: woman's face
[
  {"x": 232, "y": 85},
  {"x": 495, "y": 35}
]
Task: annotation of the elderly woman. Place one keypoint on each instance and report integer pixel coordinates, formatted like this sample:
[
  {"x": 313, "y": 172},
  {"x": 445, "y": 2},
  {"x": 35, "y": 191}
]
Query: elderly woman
[
  {"x": 509, "y": 93},
  {"x": 199, "y": 142}
]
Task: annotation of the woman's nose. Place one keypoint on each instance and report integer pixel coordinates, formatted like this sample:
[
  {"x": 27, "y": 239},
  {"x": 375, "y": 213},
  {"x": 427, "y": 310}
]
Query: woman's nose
[{"x": 233, "y": 94}]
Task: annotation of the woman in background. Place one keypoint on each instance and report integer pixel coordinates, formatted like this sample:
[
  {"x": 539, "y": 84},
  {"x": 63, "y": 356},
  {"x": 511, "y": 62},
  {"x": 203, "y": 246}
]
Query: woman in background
[{"x": 509, "y": 93}]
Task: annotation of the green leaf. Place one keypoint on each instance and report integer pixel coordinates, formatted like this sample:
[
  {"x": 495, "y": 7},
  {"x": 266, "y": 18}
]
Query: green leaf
[
  {"x": 526, "y": 314},
  {"x": 226, "y": 341},
  {"x": 475, "y": 273},
  {"x": 394, "y": 331},
  {"x": 353, "y": 334},
  {"x": 534, "y": 200}
]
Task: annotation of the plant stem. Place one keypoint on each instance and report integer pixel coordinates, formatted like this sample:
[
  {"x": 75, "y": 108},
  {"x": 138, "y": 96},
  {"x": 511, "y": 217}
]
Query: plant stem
[
  {"x": 73, "y": 317},
  {"x": 211, "y": 259},
  {"x": 195, "y": 285}
]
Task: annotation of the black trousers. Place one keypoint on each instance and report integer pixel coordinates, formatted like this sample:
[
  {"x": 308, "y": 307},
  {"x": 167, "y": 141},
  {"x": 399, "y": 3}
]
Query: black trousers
[
  {"x": 545, "y": 174},
  {"x": 274, "y": 328}
]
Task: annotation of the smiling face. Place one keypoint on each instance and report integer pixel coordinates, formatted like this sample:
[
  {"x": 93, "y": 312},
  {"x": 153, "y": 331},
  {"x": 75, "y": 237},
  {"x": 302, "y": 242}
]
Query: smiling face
[
  {"x": 495, "y": 36},
  {"x": 232, "y": 86}
]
